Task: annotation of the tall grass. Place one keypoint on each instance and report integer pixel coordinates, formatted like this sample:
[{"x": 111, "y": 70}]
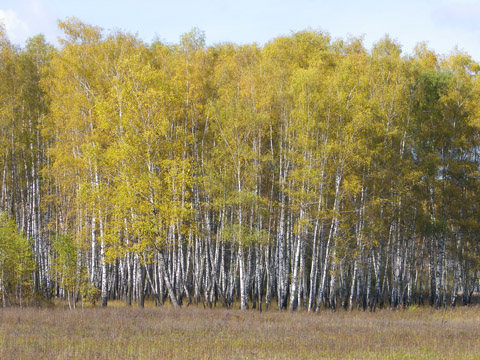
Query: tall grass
[{"x": 194, "y": 333}]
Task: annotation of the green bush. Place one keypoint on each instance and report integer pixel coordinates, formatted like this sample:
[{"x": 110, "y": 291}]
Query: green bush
[{"x": 16, "y": 263}]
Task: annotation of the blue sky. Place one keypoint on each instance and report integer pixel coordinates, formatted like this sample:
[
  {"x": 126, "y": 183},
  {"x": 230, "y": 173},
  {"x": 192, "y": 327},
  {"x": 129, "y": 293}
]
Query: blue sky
[{"x": 444, "y": 24}]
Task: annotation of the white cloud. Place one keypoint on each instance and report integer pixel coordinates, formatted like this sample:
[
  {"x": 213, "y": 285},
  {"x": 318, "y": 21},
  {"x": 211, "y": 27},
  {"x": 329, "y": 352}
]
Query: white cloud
[{"x": 17, "y": 29}]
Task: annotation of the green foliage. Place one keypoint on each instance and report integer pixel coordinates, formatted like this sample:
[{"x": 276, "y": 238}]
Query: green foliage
[
  {"x": 65, "y": 260},
  {"x": 244, "y": 235},
  {"x": 16, "y": 261},
  {"x": 89, "y": 293}
]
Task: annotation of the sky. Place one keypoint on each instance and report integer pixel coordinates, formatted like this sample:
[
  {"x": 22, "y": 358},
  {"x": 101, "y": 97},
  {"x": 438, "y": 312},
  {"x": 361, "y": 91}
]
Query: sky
[{"x": 444, "y": 24}]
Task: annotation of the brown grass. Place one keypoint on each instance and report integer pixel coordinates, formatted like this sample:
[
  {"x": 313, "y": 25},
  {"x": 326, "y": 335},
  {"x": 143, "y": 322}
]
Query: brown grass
[{"x": 193, "y": 333}]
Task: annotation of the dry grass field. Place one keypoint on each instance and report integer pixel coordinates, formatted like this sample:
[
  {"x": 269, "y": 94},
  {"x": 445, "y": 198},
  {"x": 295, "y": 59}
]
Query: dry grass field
[{"x": 118, "y": 332}]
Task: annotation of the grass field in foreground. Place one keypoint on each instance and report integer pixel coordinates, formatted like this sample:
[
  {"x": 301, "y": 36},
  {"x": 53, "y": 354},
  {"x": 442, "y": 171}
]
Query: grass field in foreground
[{"x": 196, "y": 333}]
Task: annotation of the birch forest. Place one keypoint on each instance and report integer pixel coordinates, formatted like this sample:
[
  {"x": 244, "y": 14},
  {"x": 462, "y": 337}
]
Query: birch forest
[{"x": 305, "y": 174}]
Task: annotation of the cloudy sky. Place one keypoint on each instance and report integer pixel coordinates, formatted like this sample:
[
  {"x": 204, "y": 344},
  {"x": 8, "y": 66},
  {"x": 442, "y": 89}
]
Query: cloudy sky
[{"x": 443, "y": 24}]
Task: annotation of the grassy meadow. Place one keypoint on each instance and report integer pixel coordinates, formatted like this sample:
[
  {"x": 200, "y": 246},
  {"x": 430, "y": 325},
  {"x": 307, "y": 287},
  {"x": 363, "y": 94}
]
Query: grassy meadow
[{"x": 118, "y": 332}]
